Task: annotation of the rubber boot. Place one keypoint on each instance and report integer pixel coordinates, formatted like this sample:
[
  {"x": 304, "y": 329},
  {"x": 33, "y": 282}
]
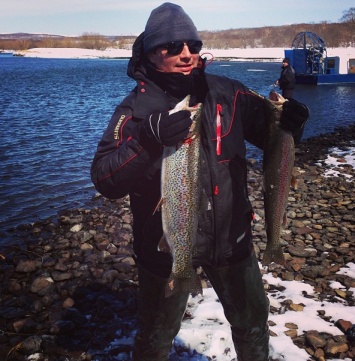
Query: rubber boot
[
  {"x": 159, "y": 318},
  {"x": 246, "y": 307}
]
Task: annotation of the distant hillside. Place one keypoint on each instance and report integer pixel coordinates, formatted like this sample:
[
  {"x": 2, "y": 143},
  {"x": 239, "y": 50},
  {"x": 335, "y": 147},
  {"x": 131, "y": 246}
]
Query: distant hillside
[
  {"x": 333, "y": 34},
  {"x": 26, "y": 36}
]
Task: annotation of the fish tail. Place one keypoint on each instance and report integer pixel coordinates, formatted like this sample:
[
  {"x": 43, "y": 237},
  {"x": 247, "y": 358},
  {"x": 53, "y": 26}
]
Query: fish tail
[
  {"x": 179, "y": 285},
  {"x": 273, "y": 255}
]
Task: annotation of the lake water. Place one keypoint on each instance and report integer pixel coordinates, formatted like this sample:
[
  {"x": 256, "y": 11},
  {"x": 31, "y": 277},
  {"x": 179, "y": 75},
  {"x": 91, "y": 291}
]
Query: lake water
[{"x": 53, "y": 112}]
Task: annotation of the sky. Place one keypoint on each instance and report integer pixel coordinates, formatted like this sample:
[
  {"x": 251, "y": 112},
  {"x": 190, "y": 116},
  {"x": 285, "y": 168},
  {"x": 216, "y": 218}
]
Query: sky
[{"x": 118, "y": 17}]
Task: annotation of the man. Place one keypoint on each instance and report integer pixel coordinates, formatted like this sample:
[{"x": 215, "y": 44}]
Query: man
[
  {"x": 166, "y": 65},
  {"x": 287, "y": 79}
]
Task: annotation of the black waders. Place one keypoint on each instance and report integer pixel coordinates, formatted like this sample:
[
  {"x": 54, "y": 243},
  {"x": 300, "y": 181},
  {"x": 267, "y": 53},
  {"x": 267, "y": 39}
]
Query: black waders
[
  {"x": 240, "y": 290},
  {"x": 159, "y": 318}
]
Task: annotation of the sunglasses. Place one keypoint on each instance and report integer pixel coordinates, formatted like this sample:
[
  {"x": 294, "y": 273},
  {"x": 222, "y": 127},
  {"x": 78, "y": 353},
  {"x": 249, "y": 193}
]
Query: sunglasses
[{"x": 176, "y": 47}]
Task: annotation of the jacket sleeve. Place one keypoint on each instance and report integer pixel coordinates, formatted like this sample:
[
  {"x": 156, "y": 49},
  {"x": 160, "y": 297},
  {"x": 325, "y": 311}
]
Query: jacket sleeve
[
  {"x": 253, "y": 118},
  {"x": 120, "y": 161}
]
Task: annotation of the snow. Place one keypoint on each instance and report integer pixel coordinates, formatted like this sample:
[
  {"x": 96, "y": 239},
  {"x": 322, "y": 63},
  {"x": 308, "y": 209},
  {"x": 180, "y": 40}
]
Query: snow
[
  {"x": 342, "y": 157},
  {"x": 275, "y": 54},
  {"x": 207, "y": 332}
]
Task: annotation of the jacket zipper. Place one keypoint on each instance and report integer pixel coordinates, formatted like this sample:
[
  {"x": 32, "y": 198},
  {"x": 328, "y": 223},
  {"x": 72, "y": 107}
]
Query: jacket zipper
[{"x": 219, "y": 129}]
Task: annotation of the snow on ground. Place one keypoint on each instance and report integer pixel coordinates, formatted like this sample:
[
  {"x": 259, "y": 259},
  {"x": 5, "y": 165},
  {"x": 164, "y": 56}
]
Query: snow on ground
[
  {"x": 275, "y": 54},
  {"x": 337, "y": 158},
  {"x": 208, "y": 333}
]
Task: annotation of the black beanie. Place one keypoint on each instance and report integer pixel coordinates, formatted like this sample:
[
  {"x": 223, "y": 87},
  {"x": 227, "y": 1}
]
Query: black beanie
[{"x": 168, "y": 22}]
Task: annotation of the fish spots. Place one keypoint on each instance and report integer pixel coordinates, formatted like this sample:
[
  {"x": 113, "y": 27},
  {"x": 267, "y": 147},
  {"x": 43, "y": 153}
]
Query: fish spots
[{"x": 181, "y": 191}]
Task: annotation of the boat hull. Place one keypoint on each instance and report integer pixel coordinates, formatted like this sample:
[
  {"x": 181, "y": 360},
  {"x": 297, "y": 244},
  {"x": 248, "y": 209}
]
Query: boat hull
[{"x": 323, "y": 79}]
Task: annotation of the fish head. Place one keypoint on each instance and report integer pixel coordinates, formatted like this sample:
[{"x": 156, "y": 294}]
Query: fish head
[
  {"x": 273, "y": 107},
  {"x": 195, "y": 114},
  {"x": 277, "y": 99},
  {"x": 183, "y": 105}
]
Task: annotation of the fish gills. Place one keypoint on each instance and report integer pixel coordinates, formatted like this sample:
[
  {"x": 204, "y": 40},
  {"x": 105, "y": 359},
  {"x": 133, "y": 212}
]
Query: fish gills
[
  {"x": 181, "y": 200},
  {"x": 278, "y": 161}
]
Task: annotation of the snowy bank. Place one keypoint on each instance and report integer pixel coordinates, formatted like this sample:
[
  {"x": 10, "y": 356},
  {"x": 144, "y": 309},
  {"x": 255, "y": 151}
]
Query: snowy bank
[{"x": 250, "y": 53}]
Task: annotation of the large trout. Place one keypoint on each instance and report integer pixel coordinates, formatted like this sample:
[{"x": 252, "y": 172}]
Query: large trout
[
  {"x": 279, "y": 156},
  {"x": 181, "y": 201}
]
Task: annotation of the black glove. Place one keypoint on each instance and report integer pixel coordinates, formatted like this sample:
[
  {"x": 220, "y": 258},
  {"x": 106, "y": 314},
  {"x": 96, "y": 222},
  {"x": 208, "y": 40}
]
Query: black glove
[
  {"x": 294, "y": 117},
  {"x": 164, "y": 129}
]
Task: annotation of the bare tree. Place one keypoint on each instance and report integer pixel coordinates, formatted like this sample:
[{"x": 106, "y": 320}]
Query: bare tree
[
  {"x": 349, "y": 18},
  {"x": 93, "y": 41}
]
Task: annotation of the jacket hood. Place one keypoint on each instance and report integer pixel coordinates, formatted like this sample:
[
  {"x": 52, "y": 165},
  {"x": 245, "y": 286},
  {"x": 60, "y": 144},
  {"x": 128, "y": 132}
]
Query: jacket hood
[{"x": 136, "y": 64}]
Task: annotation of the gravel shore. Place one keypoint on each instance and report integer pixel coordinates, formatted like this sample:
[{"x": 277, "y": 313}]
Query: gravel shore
[{"x": 69, "y": 283}]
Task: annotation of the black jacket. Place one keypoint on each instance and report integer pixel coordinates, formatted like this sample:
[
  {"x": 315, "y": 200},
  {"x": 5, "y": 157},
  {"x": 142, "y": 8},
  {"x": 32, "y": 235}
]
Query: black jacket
[
  {"x": 231, "y": 114},
  {"x": 287, "y": 78}
]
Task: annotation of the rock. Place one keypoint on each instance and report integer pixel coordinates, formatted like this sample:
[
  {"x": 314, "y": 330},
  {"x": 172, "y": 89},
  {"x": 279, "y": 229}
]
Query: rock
[
  {"x": 296, "y": 307},
  {"x": 315, "y": 339},
  {"x": 61, "y": 326},
  {"x": 68, "y": 302},
  {"x": 73, "y": 287},
  {"x": 41, "y": 283},
  {"x": 28, "y": 266},
  {"x": 343, "y": 325},
  {"x": 30, "y": 345},
  {"x": 291, "y": 333},
  {"x": 76, "y": 228},
  {"x": 334, "y": 349}
]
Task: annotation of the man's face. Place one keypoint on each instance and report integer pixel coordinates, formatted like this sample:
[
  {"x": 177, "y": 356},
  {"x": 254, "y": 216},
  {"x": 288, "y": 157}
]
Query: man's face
[{"x": 183, "y": 62}]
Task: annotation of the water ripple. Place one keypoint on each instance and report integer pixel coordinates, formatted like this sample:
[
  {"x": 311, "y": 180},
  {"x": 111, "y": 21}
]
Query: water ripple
[{"x": 53, "y": 112}]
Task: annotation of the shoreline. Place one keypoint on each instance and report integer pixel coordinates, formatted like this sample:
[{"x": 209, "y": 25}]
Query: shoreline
[
  {"x": 115, "y": 53},
  {"x": 69, "y": 283},
  {"x": 232, "y": 54},
  {"x": 315, "y": 154}
]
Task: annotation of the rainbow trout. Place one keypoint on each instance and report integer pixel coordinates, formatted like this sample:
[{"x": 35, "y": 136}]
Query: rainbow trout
[
  {"x": 279, "y": 156},
  {"x": 181, "y": 200}
]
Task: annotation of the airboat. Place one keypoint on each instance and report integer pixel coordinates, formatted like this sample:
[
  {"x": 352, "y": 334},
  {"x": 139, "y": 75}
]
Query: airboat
[{"x": 308, "y": 55}]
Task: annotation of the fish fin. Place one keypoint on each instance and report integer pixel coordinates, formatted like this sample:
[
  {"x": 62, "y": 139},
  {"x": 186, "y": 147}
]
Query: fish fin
[
  {"x": 284, "y": 220},
  {"x": 273, "y": 255},
  {"x": 180, "y": 285},
  {"x": 294, "y": 182},
  {"x": 158, "y": 206},
  {"x": 163, "y": 245}
]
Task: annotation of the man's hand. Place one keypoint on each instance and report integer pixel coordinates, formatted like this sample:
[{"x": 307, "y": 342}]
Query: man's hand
[
  {"x": 164, "y": 129},
  {"x": 294, "y": 117}
]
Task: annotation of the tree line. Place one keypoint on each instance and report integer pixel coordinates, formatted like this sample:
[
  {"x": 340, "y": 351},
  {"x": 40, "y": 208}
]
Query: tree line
[
  {"x": 333, "y": 34},
  {"x": 341, "y": 34},
  {"x": 96, "y": 41}
]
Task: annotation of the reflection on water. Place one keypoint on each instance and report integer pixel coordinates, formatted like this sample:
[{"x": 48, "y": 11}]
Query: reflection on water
[{"x": 330, "y": 106}]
